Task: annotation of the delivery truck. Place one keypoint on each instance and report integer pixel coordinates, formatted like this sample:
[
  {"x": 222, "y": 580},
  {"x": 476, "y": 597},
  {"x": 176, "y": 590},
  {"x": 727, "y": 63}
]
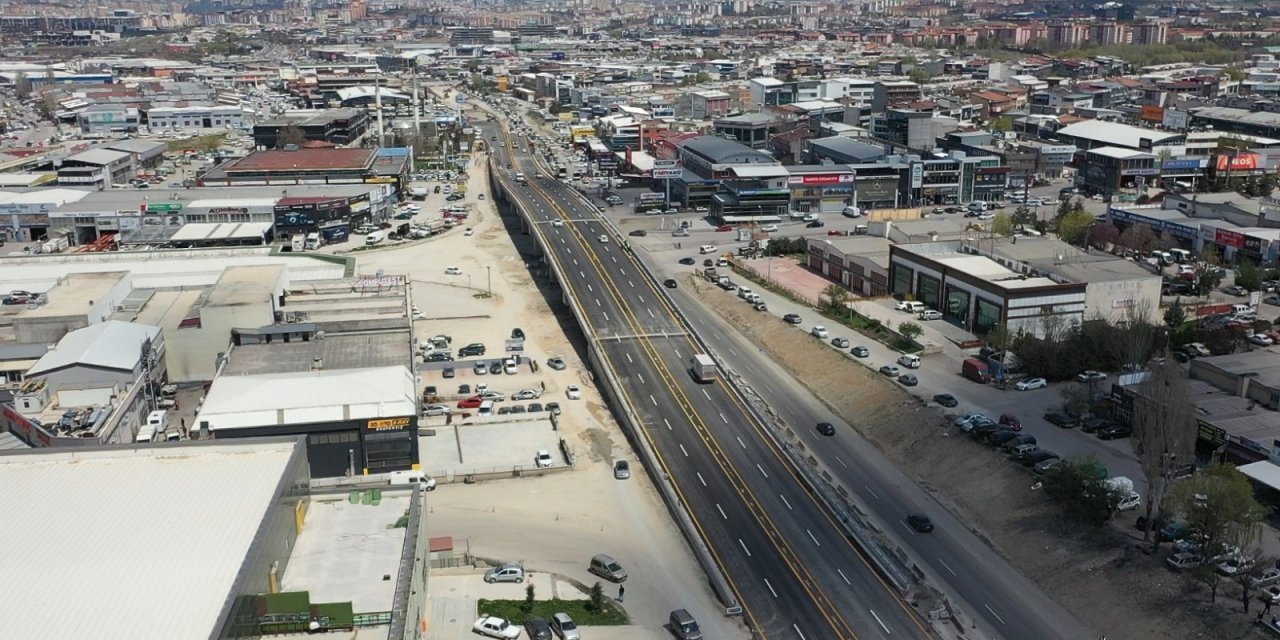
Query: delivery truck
[
  {"x": 976, "y": 370},
  {"x": 703, "y": 367}
]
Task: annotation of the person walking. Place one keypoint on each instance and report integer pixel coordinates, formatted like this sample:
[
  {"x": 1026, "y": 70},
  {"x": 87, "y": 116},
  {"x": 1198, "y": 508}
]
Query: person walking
[{"x": 621, "y": 592}]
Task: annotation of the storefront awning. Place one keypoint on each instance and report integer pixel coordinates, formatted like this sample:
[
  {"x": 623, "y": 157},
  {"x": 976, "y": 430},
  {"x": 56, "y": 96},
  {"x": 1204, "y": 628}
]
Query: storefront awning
[{"x": 1264, "y": 472}]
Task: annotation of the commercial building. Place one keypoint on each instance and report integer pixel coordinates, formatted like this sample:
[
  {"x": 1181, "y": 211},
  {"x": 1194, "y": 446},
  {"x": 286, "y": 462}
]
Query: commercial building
[
  {"x": 357, "y": 421},
  {"x": 1092, "y": 134},
  {"x": 107, "y": 118},
  {"x": 1022, "y": 283},
  {"x": 146, "y": 154},
  {"x": 906, "y": 128},
  {"x": 197, "y": 117},
  {"x": 1237, "y": 227},
  {"x": 388, "y": 165},
  {"x": 829, "y": 188},
  {"x": 1107, "y": 170},
  {"x": 97, "y": 169},
  {"x": 843, "y": 150},
  {"x": 194, "y": 565},
  {"x": 708, "y": 104},
  {"x": 336, "y": 126},
  {"x": 771, "y": 92},
  {"x": 859, "y": 263},
  {"x": 1242, "y": 121},
  {"x": 757, "y": 182},
  {"x": 751, "y": 129}
]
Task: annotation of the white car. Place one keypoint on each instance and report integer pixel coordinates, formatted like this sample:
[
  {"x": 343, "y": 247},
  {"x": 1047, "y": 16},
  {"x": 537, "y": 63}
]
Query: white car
[
  {"x": 1268, "y": 577},
  {"x": 435, "y": 410},
  {"x": 543, "y": 459},
  {"x": 1031, "y": 383},
  {"x": 1183, "y": 561},
  {"x": 603, "y": 238},
  {"x": 810, "y": 217},
  {"x": 526, "y": 394},
  {"x": 468, "y": 232},
  {"x": 495, "y": 396},
  {"x": 1259, "y": 339},
  {"x": 496, "y": 627},
  {"x": 1234, "y": 565},
  {"x": 557, "y": 222},
  {"x": 770, "y": 228},
  {"x": 452, "y": 271},
  {"x": 573, "y": 392}
]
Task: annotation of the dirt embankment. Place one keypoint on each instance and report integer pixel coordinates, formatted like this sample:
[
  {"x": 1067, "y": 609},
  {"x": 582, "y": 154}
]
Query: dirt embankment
[{"x": 1096, "y": 574}]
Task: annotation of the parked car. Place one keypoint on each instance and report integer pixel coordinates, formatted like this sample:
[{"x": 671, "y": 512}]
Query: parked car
[
  {"x": 1268, "y": 577},
  {"x": 920, "y": 522},
  {"x": 480, "y": 369},
  {"x": 543, "y": 459},
  {"x": 945, "y": 399},
  {"x": 860, "y": 352},
  {"x": 538, "y": 628},
  {"x": 687, "y": 261},
  {"x": 526, "y": 394},
  {"x": 1031, "y": 383},
  {"x": 1184, "y": 561},
  {"x": 840, "y": 343},
  {"x": 473, "y": 349},
  {"x": 435, "y": 410},
  {"x": 889, "y": 370},
  {"x": 564, "y": 627},
  {"x": 1234, "y": 565},
  {"x": 496, "y": 627},
  {"x": 1114, "y": 432},
  {"x": 930, "y": 314},
  {"x": 495, "y": 367},
  {"x": 908, "y": 380},
  {"x": 573, "y": 392},
  {"x": 1062, "y": 419},
  {"x": 473, "y": 402},
  {"x": 1092, "y": 425},
  {"x": 510, "y": 572},
  {"x": 1091, "y": 376},
  {"x": 1236, "y": 290},
  {"x": 452, "y": 271},
  {"x": 1259, "y": 339},
  {"x": 967, "y": 420},
  {"x": 1010, "y": 421},
  {"x": 1174, "y": 531},
  {"x": 792, "y": 318}
]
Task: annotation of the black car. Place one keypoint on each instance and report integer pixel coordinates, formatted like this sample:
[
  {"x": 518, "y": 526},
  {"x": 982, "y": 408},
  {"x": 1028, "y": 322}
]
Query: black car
[
  {"x": 669, "y": 283},
  {"x": 439, "y": 356},
  {"x": 1061, "y": 419},
  {"x": 517, "y": 334},
  {"x": 1114, "y": 432},
  {"x": 792, "y": 318},
  {"x": 688, "y": 261},
  {"x": 920, "y": 522},
  {"x": 464, "y": 389},
  {"x": 908, "y": 380},
  {"x": 816, "y": 224},
  {"x": 473, "y": 349},
  {"x": 638, "y": 233},
  {"x": 945, "y": 399},
  {"x": 826, "y": 428},
  {"x": 495, "y": 366},
  {"x": 1036, "y": 456},
  {"x": 998, "y": 437},
  {"x": 448, "y": 372},
  {"x": 1093, "y": 425}
]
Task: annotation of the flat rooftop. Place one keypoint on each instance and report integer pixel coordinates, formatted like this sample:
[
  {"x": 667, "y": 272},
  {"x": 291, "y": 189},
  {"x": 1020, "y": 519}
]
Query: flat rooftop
[
  {"x": 325, "y": 395},
  {"x": 70, "y": 297},
  {"x": 345, "y": 549},
  {"x": 303, "y": 160},
  {"x": 336, "y": 351},
  {"x": 245, "y": 285},
  {"x": 131, "y": 543}
]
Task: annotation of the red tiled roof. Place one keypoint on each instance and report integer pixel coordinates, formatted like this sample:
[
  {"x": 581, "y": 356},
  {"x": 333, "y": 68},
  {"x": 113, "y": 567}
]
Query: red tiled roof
[{"x": 304, "y": 160}]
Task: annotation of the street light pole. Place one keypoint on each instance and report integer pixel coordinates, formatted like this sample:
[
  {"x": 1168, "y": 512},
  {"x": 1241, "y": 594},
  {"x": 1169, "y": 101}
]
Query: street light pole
[{"x": 489, "y": 277}]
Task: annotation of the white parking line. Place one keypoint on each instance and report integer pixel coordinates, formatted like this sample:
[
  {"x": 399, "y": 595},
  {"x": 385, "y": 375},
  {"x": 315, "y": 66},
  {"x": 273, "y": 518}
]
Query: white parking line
[
  {"x": 873, "y": 494},
  {"x": 651, "y": 313},
  {"x": 641, "y": 378},
  {"x": 632, "y": 284},
  {"x": 598, "y": 303},
  {"x": 590, "y": 289},
  {"x": 988, "y": 607},
  {"x": 744, "y": 445},
  {"x": 724, "y": 419},
  {"x": 704, "y": 392},
  {"x": 628, "y": 358},
  {"x": 798, "y": 631}
]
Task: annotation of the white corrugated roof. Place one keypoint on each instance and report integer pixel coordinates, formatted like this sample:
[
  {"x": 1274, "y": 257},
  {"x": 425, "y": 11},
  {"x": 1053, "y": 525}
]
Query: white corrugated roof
[
  {"x": 220, "y": 231},
  {"x": 130, "y": 543},
  {"x": 313, "y": 396},
  {"x": 112, "y": 345},
  {"x": 218, "y": 203},
  {"x": 1263, "y": 471}
]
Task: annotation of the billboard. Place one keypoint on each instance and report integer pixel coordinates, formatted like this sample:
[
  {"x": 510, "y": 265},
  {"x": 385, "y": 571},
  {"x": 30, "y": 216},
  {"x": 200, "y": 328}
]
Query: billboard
[
  {"x": 666, "y": 174},
  {"x": 652, "y": 197},
  {"x": 821, "y": 179},
  {"x": 664, "y": 164},
  {"x": 917, "y": 175},
  {"x": 1239, "y": 162},
  {"x": 1183, "y": 164},
  {"x": 1228, "y": 238},
  {"x": 1152, "y": 113}
]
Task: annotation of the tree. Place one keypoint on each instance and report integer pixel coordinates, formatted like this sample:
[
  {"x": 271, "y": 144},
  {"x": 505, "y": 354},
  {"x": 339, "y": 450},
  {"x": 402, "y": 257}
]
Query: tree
[
  {"x": 835, "y": 296},
  {"x": 596, "y": 599},
  {"x": 1208, "y": 575},
  {"x": 527, "y": 605},
  {"x": 1023, "y": 217},
  {"x": 1207, "y": 279},
  {"x": 22, "y": 85},
  {"x": 1257, "y": 565},
  {"x": 291, "y": 135},
  {"x": 1073, "y": 227},
  {"x": 1002, "y": 224},
  {"x": 1210, "y": 255},
  {"x": 1218, "y": 506},
  {"x": 1138, "y": 237},
  {"x": 1064, "y": 207},
  {"x": 1102, "y": 235},
  {"x": 1002, "y": 124},
  {"x": 1134, "y": 338},
  {"x": 1164, "y": 434},
  {"x": 910, "y": 330},
  {"x": 1248, "y": 275},
  {"x": 1175, "y": 315},
  {"x": 918, "y": 76},
  {"x": 1080, "y": 486},
  {"x": 1075, "y": 399}
]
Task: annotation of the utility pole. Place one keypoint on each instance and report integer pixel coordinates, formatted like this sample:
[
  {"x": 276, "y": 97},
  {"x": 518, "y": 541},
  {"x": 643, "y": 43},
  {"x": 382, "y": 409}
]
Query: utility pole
[{"x": 377, "y": 100}]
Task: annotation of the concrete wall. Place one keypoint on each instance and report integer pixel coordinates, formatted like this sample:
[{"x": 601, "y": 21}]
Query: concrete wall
[
  {"x": 1118, "y": 300},
  {"x": 190, "y": 353}
]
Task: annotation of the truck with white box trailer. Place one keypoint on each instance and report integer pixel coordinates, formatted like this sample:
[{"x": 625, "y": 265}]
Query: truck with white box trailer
[{"x": 703, "y": 367}]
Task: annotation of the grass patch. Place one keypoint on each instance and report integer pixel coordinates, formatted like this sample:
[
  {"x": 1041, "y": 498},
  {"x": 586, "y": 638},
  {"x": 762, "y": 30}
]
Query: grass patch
[
  {"x": 868, "y": 327},
  {"x": 205, "y": 143},
  {"x": 513, "y": 611}
]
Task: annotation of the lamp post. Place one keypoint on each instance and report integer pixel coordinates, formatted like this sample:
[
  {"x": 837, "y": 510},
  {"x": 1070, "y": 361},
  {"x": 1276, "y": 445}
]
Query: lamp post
[{"x": 488, "y": 274}]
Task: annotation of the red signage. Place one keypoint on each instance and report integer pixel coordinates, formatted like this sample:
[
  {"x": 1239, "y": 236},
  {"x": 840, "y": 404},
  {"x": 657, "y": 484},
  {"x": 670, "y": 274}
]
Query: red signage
[
  {"x": 829, "y": 178},
  {"x": 1239, "y": 162},
  {"x": 1228, "y": 238}
]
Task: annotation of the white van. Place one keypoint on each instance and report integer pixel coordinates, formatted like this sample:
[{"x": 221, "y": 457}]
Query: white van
[
  {"x": 909, "y": 361},
  {"x": 911, "y": 306},
  {"x": 707, "y": 248},
  {"x": 745, "y": 293},
  {"x": 1241, "y": 309},
  {"x": 410, "y": 478},
  {"x": 486, "y": 408},
  {"x": 159, "y": 422},
  {"x": 373, "y": 238}
]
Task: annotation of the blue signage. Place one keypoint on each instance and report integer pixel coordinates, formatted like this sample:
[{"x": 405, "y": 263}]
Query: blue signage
[{"x": 1183, "y": 164}]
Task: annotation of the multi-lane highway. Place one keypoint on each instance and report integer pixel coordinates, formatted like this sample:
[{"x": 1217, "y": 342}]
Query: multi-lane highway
[{"x": 790, "y": 565}]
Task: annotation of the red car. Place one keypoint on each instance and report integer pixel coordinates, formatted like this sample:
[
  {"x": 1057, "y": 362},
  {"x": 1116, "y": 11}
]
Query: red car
[
  {"x": 470, "y": 403},
  {"x": 1010, "y": 421},
  {"x": 725, "y": 227}
]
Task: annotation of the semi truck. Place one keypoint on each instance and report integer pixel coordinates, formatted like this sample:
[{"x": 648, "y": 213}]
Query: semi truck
[{"x": 703, "y": 367}]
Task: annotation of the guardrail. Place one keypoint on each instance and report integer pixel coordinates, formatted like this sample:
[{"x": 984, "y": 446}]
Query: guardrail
[{"x": 611, "y": 387}]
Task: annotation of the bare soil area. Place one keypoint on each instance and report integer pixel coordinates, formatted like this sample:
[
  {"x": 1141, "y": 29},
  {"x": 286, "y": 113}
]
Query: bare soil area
[{"x": 1098, "y": 574}]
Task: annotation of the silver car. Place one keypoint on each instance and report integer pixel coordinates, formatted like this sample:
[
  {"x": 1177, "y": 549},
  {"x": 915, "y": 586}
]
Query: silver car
[{"x": 565, "y": 627}]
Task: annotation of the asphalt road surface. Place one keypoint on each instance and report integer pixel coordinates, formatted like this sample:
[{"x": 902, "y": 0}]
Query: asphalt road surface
[{"x": 792, "y": 568}]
